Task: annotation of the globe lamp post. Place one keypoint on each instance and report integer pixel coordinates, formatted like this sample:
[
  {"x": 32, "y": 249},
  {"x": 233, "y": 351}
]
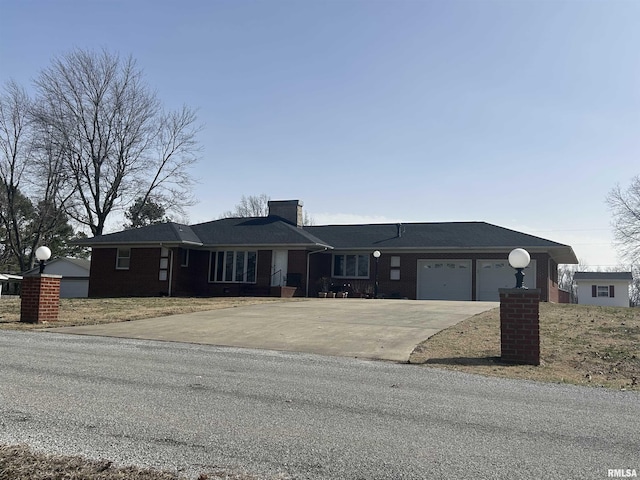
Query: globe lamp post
[
  {"x": 519, "y": 259},
  {"x": 376, "y": 255},
  {"x": 43, "y": 254}
]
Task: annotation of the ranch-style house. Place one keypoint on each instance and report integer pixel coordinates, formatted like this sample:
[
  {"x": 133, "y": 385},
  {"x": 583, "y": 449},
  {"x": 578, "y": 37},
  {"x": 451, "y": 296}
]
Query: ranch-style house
[{"x": 277, "y": 255}]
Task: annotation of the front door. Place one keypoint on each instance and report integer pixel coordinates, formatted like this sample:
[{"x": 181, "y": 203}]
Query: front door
[{"x": 279, "y": 263}]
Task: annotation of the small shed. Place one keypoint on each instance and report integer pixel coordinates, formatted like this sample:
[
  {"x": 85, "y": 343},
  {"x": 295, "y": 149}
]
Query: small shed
[
  {"x": 74, "y": 272},
  {"x": 609, "y": 289}
]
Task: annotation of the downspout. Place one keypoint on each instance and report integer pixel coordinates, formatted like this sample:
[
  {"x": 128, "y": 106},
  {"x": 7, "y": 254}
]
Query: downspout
[
  {"x": 170, "y": 271},
  {"x": 308, "y": 255}
]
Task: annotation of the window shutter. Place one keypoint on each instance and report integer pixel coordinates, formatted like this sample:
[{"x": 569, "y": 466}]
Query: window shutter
[
  {"x": 594, "y": 291},
  {"x": 611, "y": 291}
]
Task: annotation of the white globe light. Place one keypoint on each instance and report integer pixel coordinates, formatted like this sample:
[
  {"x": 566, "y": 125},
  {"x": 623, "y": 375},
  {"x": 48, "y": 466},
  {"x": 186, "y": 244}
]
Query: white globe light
[
  {"x": 376, "y": 254},
  {"x": 43, "y": 253},
  {"x": 519, "y": 258}
]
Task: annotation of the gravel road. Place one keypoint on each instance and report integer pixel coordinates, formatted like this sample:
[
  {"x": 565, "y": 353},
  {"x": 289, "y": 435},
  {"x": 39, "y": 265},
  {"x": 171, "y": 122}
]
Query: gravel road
[{"x": 191, "y": 407}]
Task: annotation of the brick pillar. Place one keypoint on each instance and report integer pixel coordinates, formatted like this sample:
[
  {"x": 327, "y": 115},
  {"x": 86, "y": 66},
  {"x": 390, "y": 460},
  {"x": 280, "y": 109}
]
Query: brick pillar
[
  {"x": 40, "y": 298},
  {"x": 520, "y": 325}
]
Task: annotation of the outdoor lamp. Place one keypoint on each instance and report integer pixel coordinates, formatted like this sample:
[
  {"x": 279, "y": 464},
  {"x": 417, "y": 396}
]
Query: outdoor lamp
[
  {"x": 376, "y": 255},
  {"x": 519, "y": 258},
  {"x": 43, "y": 254}
]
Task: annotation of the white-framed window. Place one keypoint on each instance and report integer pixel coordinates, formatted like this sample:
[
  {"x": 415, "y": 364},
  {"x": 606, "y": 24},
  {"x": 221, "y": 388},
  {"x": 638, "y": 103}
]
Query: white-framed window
[
  {"x": 233, "y": 266},
  {"x": 163, "y": 273},
  {"x": 123, "y": 258},
  {"x": 395, "y": 261},
  {"x": 394, "y": 274},
  {"x": 602, "y": 291},
  {"x": 351, "y": 265}
]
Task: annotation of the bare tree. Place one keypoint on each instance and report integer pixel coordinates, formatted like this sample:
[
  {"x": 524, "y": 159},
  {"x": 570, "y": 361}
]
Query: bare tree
[
  {"x": 15, "y": 148},
  {"x": 565, "y": 278},
  {"x": 257, "y": 206},
  {"x": 634, "y": 289},
  {"x": 116, "y": 142},
  {"x": 251, "y": 206},
  {"x": 625, "y": 209},
  {"x": 29, "y": 184}
]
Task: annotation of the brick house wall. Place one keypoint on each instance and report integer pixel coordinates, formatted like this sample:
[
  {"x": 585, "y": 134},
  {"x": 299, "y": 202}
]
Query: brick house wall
[
  {"x": 320, "y": 265},
  {"x": 141, "y": 279}
]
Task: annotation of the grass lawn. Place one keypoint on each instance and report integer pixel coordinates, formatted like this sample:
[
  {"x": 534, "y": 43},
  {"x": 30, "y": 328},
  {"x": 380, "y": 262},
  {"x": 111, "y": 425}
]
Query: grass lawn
[
  {"x": 580, "y": 344},
  {"x": 92, "y": 311}
]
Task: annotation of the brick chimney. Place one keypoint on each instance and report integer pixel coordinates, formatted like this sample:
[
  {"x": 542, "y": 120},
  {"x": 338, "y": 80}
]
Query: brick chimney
[{"x": 288, "y": 210}]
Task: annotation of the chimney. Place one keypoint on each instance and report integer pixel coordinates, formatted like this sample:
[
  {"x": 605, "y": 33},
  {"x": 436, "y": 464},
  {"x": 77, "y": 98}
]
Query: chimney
[{"x": 288, "y": 210}]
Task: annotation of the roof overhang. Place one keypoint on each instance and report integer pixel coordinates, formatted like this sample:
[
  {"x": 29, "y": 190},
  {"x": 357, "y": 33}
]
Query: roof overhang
[{"x": 560, "y": 254}]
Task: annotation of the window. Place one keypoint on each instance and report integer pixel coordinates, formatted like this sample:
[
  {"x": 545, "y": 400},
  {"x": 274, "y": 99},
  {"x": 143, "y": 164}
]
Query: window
[
  {"x": 233, "y": 266},
  {"x": 602, "y": 291},
  {"x": 163, "y": 273},
  {"x": 351, "y": 265},
  {"x": 394, "y": 273},
  {"x": 123, "y": 259},
  {"x": 184, "y": 257}
]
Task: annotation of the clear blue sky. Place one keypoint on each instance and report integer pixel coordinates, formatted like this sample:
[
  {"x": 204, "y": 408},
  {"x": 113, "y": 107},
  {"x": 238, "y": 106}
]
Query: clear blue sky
[{"x": 519, "y": 113}]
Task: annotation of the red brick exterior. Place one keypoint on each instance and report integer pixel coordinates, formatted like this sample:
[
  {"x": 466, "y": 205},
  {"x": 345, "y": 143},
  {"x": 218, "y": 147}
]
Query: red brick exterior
[
  {"x": 40, "y": 298},
  {"x": 142, "y": 277},
  {"x": 520, "y": 326},
  {"x": 320, "y": 266}
]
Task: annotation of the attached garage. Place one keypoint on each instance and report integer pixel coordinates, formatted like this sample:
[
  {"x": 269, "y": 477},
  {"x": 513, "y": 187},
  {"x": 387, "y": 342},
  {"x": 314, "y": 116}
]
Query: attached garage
[
  {"x": 444, "y": 280},
  {"x": 494, "y": 274}
]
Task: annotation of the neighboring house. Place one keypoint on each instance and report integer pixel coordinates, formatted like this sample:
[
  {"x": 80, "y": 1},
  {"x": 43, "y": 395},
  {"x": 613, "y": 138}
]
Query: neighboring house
[
  {"x": 10, "y": 284},
  {"x": 75, "y": 275},
  {"x": 610, "y": 289},
  {"x": 255, "y": 256}
]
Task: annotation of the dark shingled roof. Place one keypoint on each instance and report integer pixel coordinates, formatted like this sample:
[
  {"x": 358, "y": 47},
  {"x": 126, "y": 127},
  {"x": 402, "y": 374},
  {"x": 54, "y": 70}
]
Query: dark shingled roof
[
  {"x": 254, "y": 231},
  {"x": 169, "y": 233},
  {"x": 603, "y": 276},
  {"x": 273, "y": 231},
  {"x": 427, "y": 235},
  {"x": 226, "y": 232}
]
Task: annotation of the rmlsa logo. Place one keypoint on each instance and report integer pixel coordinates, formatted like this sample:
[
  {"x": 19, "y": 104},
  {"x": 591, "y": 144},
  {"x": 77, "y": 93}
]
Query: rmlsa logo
[{"x": 622, "y": 473}]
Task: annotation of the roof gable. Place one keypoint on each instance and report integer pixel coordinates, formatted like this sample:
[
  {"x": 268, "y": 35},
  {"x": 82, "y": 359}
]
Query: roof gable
[{"x": 74, "y": 267}]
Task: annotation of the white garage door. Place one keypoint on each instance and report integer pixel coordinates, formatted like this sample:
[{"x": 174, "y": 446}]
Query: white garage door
[
  {"x": 494, "y": 274},
  {"x": 444, "y": 280}
]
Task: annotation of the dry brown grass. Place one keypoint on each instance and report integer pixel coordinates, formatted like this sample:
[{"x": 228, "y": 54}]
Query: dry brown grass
[
  {"x": 92, "y": 311},
  {"x": 583, "y": 345},
  {"x": 18, "y": 462}
]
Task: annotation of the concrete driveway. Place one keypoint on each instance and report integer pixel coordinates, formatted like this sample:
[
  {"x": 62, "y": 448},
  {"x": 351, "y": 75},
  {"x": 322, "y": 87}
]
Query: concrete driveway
[{"x": 375, "y": 329}]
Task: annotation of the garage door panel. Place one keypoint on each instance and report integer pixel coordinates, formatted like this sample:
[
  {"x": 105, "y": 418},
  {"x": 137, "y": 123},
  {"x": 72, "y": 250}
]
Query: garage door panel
[
  {"x": 444, "y": 280},
  {"x": 492, "y": 275}
]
